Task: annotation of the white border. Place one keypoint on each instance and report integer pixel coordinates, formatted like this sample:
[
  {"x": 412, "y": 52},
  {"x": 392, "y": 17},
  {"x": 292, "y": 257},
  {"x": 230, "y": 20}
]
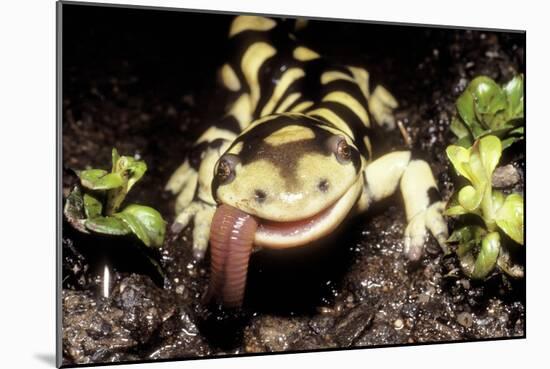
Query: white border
[{"x": 27, "y": 181}]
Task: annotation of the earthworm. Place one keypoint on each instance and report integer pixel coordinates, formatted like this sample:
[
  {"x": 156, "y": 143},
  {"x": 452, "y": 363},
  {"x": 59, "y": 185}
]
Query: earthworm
[{"x": 231, "y": 239}]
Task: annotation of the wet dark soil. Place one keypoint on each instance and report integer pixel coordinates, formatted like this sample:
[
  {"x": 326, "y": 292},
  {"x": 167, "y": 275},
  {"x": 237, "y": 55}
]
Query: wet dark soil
[{"x": 144, "y": 82}]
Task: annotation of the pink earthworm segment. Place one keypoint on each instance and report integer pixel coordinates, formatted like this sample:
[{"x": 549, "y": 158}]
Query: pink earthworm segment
[{"x": 231, "y": 240}]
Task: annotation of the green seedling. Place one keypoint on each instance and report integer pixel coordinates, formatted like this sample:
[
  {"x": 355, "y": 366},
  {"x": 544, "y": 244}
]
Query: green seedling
[
  {"x": 94, "y": 205},
  {"x": 482, "y": 248},
  {"x": 485, "y": 108}
]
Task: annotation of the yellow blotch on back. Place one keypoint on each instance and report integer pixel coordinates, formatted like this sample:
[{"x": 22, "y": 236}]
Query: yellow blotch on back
[
  {"x": 302, "y": 106},
  {"x": 289, "y": 134},
  {"x": 288, "y": 101},
  {"x": 334, "y": 75},
  {"x": 361, "y": 77},
  {"x": 250, "y": 23},
  {"x": 251, "y": 62},
  {"x": 333, "y": 118},
  {"x": 229, "y": 78},
  {"x": 349, "y": 101},
  {"x": 304, "y": 54},
  {"x": 241, "y": 110},
  {"x": 288, "y": 77}
]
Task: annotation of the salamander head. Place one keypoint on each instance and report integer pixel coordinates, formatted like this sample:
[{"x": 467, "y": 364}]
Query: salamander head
[{"x": 297, "y": 175}]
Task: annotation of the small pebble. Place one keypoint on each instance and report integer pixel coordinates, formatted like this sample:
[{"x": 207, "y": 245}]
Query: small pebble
[
  {"x": 398, "y": 324},
  {"x": 465, "y": 283},
  {"x": 505, "y": 176},
  {"x": 465, "y": 319}
]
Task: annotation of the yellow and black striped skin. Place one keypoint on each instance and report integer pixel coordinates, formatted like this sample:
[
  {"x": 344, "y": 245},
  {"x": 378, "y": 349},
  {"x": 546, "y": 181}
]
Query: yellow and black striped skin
[
  {"x": 276, "y": 153},
  {"x": 287, "y": 103},
  {"x": 270, "y": 73}
]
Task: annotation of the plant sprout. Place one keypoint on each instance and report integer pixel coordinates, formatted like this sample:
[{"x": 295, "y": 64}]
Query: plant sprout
[
  {"x": 94, "y": 205},
  {"x": 485, "y": 108},
  {"x": 480, "y": 248}
]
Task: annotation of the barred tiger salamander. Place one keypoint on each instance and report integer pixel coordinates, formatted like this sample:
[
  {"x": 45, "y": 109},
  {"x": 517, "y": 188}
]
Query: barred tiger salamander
[{"x": 292, "y": 158}]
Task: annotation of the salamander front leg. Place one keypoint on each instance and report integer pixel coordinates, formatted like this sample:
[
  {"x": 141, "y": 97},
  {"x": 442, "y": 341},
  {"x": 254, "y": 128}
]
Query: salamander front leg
[
  {"x": 194, "y": 202},
  {"x": 424, "y": 209},
  {"x": 423, "y": 206}
]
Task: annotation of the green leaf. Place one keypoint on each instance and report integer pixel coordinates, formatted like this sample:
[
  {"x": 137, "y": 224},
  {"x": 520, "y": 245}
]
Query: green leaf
[
  {"x": 107, "y": 225},
  {"x": 490, "y": 150},
  {"x": 114, "y": 159},
  {"x": 468, "y": 238},
  {"x": 478, "y": 132},
  {"x": 489, "y": 99},
  {"x": 465, "y": 141},
  {"x": 509, "y": 217},
  {"x": 507, "y": 142},
  {"x": 465, "y": 108},
  {"x": 514, "y": 135},
  {"x": 498, "y": 200},
  {"x": 137, "y": 170},
  {"x": 145, "y": 222},
  {"x": 487, "y": 95},
  {"x": 467, "y": 235},
  {"x": 519, "y": 131},
  {"x": 475, "y": 167},
  {"x": 92, "y": 206},
  {"x": 131, "y": 169},
  {"x": 458, "y": 155},
  {"x": 90, "y": 176},
  {"x": 455, "y": 210},
  {"x": 514, "y": 94},
  {"x": 480, "y": 265},
  {"x": 459, "y": 128},
  {"x": 99, "y": 179},
  {"x": 486, "y": 108},
  {"x": 115, "y": 197},
  {"x": 487, "y": 257},
  {"x": 470, "y": 198}
]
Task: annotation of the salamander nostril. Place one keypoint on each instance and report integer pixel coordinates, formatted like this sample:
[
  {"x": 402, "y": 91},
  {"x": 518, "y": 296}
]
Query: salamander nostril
[
  {"x": 260, "y": 196},
  {"x": 323, "y": 185}
]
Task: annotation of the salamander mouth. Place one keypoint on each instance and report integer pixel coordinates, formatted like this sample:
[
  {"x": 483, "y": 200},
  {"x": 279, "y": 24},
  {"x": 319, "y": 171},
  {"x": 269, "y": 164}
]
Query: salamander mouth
[
  {"x": 234, "y": 232},
  {"x": 273, "y": 234}
]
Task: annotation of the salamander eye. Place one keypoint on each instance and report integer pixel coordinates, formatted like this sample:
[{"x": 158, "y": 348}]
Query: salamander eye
[
  {"x": 341, "y": 149},
  {"x": 225, "y": 170}
]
